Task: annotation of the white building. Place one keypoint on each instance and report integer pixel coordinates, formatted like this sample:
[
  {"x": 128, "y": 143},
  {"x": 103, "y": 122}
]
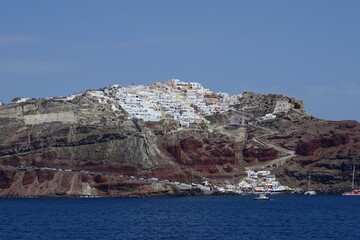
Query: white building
[
  {"x": 269, "y": 116},
  {"x": 282, "y": 105},
  {"x": 20, "y": 100}
]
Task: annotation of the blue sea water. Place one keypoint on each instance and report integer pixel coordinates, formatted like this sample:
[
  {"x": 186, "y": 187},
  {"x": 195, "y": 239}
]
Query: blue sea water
[{"x": 222, "y": 217}]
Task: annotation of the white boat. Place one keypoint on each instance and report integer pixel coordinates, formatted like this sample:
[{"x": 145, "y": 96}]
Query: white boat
[
  {"x": 261, "y": 196},
  {"x": 353, "y": 192},
  {"x": 308, "y": 191}
]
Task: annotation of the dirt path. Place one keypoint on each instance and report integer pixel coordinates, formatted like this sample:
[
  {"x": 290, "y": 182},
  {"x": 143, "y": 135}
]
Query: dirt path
[{"x": 276, "y": 162}]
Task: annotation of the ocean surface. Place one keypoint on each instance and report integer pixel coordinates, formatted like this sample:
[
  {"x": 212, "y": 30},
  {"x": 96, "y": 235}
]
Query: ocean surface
[{"x": 222, "y": 217}]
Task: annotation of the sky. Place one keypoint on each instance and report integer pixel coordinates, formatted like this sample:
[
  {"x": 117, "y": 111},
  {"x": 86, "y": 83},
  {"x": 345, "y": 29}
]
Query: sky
[{"x": 309, "y": 50}]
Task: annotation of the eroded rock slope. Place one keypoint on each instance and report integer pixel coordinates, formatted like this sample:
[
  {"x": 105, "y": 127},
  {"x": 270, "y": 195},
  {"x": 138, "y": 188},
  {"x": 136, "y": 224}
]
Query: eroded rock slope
[{"x": 83, "y": 135}]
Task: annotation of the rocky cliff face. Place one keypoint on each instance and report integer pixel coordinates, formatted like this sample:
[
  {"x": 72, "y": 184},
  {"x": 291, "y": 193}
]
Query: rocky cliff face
[
  {"x": 83, "y": 135},
  {"x": 327, "y": 149}
]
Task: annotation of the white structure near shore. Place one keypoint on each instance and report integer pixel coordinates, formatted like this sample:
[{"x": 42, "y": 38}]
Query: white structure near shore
[{"x": 261, "y": 181}]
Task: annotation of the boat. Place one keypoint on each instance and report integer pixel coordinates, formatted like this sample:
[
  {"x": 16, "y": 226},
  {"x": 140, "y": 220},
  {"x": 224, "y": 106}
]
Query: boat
[
  {"x": 261, "y": 196},
  {"x": 353, "y": 192},
  {"x": 308, "y": 191}
]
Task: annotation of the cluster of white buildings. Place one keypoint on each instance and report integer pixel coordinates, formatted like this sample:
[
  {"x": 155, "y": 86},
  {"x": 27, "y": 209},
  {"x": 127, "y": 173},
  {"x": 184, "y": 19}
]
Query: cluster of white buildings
[
  {"x": 261, "y": 181},
  {"x": 186, "y": 102}
]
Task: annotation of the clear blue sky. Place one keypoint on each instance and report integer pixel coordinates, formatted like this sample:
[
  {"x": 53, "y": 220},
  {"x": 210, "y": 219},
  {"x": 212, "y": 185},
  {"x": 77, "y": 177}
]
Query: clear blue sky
[{"x": 304, "y": 49}]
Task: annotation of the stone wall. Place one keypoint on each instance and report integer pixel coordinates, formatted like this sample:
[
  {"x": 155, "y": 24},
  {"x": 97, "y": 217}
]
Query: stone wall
[{"x": 64, "y": 117}]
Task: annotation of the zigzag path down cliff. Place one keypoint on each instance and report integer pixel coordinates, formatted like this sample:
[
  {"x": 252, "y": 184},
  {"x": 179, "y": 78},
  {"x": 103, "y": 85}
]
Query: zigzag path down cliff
[
  {"x": 328, "y": 149},
  {"x": 258, "y": 140},
  {"x": 276, "y": 162}
]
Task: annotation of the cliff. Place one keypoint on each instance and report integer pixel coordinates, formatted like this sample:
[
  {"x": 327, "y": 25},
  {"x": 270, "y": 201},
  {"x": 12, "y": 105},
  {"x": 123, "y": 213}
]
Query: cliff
[{"x": 82, "y": 147}]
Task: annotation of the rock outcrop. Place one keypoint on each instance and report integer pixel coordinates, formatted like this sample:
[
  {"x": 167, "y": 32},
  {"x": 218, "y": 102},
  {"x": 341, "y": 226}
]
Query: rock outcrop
[{"x": 82, "y": 134}]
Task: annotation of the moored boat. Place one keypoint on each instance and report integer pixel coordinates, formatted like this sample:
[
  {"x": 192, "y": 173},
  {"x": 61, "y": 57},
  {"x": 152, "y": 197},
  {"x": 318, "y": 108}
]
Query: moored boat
[
  {"x": 261, "y": 196},
  {"x": 353, "y": 192},
  {"x": 310, "y": 192}
]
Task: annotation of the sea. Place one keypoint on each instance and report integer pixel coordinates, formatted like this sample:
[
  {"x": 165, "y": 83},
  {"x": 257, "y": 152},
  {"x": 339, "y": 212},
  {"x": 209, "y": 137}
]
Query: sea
[{"x": 213, "y": 217}]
